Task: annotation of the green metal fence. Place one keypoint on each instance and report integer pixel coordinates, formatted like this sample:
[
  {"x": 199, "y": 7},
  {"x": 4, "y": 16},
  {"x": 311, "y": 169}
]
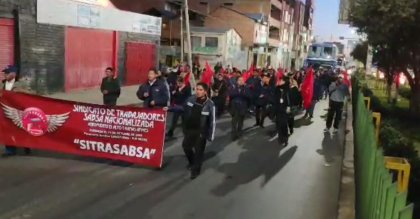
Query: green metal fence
[{"x": 376, "y": 193}]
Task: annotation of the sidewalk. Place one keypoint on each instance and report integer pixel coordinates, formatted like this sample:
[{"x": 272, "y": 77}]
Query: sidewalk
[{"x": 94, "y": 96}]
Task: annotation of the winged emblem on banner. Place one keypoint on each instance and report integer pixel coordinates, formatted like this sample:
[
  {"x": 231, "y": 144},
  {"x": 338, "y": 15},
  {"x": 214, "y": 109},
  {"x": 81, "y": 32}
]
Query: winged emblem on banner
[{"x": 34, "y": 121}]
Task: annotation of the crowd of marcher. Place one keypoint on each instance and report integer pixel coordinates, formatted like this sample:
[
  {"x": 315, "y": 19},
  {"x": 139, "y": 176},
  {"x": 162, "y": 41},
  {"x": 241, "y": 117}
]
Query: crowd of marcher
[{"x": 264, "y": 93}]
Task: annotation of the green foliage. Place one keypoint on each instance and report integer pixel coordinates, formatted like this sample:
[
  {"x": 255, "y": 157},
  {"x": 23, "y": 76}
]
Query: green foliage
[
  {"x": 405, "y": 92},
  {"x": 392, "y": 28},
  {"x": 395, "y": 144},
  {"x": 360, "y": 52}
]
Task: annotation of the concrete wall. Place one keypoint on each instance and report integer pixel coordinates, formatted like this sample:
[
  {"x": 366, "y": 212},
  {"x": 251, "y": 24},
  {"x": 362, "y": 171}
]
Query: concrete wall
[
  {"x": 41, "y": 49},
  {"x": 41, "y": 53}
]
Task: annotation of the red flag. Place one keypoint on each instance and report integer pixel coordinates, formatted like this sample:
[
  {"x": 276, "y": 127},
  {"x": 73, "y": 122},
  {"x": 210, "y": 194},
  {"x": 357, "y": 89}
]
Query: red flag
[
  {"x": 249, "y": 73},
  {"x": 308, "y": 88},
  {"x": 280, "y": 74},
  {"x": 346, "y": 79},
  {"x": 207, "y": 75}
]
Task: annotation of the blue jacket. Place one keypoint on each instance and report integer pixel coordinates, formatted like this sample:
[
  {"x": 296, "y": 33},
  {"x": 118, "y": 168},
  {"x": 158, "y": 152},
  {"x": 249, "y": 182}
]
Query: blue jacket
[
  {"x": 267, "y": 92},
  {"x": 240, "y": 98},
  {"x": 158, "y": 92},
  {"x": 207, "y": 118}
]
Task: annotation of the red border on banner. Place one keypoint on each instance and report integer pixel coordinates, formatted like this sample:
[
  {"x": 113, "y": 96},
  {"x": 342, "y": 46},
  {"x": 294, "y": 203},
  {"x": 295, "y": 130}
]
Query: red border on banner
[{"x": 129, "y": 134}]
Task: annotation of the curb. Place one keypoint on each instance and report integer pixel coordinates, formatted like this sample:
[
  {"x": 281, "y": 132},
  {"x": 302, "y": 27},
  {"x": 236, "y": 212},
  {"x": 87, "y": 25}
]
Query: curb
[{"x": 346, "y": 202}]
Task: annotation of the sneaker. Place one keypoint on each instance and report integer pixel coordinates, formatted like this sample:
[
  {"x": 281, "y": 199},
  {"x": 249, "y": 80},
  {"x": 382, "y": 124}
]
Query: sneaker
[{"x": 326, "y": 130}]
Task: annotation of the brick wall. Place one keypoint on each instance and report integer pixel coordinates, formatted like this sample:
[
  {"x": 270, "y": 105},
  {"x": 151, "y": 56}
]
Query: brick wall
[
  {"x": 40, "y": 47},
  {"x": 224, "y": 18}
]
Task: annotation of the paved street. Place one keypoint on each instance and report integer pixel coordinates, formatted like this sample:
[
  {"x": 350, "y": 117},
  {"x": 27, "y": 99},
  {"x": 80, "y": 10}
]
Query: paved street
[{"x": 248, "y": 179}]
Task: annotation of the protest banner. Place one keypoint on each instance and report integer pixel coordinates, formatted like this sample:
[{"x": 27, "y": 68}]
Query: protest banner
[{"x": 130, "y": 134}]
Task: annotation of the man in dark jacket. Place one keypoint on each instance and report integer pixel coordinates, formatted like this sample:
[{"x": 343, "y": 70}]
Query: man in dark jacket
[
  {"x": 263, "y": 94},
  {"x": 282, "y": 109},
  {"x": 180, "y": 95},
  {"x": 219, "y": 93},
  {"x": 295, "y": 101},
  {"x": 154, "y": 92},
  {"x": 199, "y": 123},
  {"x": 110, "y": 88},
  {"x": 240, "y": 98}
]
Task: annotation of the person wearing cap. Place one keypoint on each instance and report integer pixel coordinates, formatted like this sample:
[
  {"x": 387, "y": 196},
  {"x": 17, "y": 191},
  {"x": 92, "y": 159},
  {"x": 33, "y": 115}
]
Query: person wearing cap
[
  {"x": 338, "y": 93},
  {"x": 199, "y": 124},
  {"x": 9, "y": 82},
  {"x": 263, "y": 94}
]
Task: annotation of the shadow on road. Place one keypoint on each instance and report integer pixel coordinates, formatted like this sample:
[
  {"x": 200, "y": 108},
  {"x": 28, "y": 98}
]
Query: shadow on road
[
  {"x": 259, "y": 159},
  {"x": 330, "y": 147},
  {"x": 303, "y": 122}
]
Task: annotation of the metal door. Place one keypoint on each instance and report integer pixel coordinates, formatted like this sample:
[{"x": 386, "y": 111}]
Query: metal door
[
  {"x": 140, "y": 58},
  {"x": 7, "y": 43},
  {"x": 88, "y": 53}
]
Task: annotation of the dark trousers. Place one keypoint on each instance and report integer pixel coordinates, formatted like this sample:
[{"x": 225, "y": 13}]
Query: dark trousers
[
  {"x": 219, "y": 102},
  {"x": 282, "y": 128},
  {"x": 291, "y": 122},
  {"x": 237, "y": 124},
  {"x": 334, "y": 113},
  {"x": 311, "y": 109},
  {"x": 194, "y": 145},
  {"x": 174, "y": 123},
  {"x": 110, "y": 101},
  {"x": 260, "y": 114},
  {"x": 12, "y": 150}
]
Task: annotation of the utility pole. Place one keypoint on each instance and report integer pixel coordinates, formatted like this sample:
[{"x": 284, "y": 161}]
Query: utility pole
[
  {"x": 187, "y": 24},
  {"x": 182, "y": 35}
]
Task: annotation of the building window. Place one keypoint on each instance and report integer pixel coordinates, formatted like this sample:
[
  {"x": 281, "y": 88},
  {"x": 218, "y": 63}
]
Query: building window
[
  {"x": 195, "y": 41},
  {"x": 228, "y": 4},
  {"x": 204, "y": 3},
  {"x": 212, "y": 42}
]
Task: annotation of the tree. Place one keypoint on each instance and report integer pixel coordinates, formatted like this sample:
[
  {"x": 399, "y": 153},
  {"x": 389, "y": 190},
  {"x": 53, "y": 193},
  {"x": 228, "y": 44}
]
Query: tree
[
  {"x": 393, "y": 26},
  {"x": 360, "y": 52}
]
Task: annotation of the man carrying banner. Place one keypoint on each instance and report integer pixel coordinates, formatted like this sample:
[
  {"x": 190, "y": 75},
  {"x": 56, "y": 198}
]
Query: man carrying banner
[
  {"x": 9, "y": 82},
  {"x": 154, "y": 93},
  {"x": 199, "y": 123}
]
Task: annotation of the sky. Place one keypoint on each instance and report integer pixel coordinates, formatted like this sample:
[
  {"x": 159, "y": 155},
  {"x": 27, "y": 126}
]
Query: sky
[{"x": 326, "y": 21}]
